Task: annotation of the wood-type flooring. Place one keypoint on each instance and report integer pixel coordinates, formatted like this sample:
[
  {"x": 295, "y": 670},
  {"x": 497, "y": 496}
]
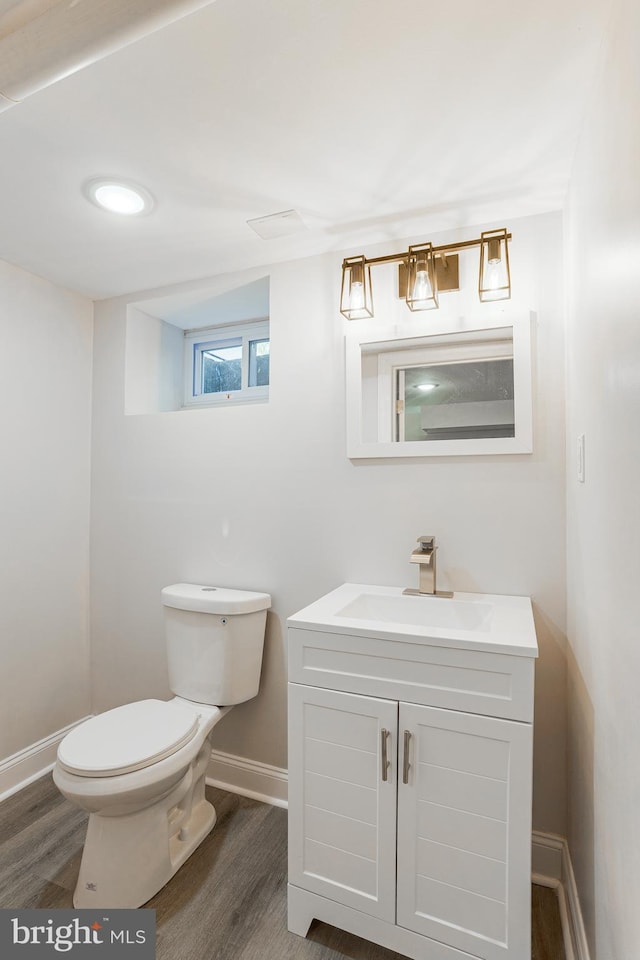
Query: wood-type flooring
[{"x": 228, "y": 902}]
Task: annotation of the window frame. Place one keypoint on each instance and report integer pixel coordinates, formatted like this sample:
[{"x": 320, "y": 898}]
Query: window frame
[{"x": 196, "y": 342}]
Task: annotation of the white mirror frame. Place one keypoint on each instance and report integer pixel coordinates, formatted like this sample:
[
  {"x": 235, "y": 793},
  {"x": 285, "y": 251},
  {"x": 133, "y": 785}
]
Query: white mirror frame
[{"x": 367, "y": 334}]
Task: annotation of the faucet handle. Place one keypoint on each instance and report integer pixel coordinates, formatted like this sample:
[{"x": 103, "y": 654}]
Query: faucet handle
[{"x": 427, "y": 543}]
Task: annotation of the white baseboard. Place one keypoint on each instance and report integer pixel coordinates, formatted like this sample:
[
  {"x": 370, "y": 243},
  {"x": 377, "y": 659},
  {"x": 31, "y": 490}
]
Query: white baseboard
[
  {"x": 249, "y": 778},
  {"x": 552, "y": 867},
  {"x": 578, "y": 933},
  {"x": 546, "y": 858},
  {"x": 22, "y": 768}
]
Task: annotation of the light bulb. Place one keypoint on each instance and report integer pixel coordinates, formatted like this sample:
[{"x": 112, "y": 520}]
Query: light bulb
[
  {"x": 493, "y": 275},
  {"x": 356, "y": 295},
  {"x": 422, "y": 290},
  {"x": 495, "y": 278},
  {"x": 495, "y": 281}
]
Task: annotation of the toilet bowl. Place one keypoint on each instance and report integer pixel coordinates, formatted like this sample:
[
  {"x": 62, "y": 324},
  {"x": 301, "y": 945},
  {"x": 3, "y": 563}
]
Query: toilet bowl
[{"x": 139, "y": 770}]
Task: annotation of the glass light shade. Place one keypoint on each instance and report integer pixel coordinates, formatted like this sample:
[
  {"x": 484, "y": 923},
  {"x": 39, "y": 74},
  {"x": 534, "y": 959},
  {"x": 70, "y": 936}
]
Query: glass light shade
[
  {"x": 117, "y": 196},
  {"x": 356, "y": 301},
  {"x": 422, "y": 289},
  {"x": 495, "y": 275}
]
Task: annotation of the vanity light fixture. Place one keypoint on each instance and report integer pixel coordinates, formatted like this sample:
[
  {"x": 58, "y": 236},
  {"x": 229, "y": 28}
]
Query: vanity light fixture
[
  {"x": 495, "y": 276},
  {"x": 355, "y": 298},
  {"x": 420, "y": 267},
  {"x": 119, "y": 196}
]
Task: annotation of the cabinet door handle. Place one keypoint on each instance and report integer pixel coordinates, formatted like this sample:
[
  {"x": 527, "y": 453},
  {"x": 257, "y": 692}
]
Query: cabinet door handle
[
  {"x": 386, "y": 763},
  {"x": 405, "y": 760}
]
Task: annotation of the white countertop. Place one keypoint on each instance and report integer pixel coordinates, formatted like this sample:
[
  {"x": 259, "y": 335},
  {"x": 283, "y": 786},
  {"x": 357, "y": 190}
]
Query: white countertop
[{"x": 484, "y": 622}]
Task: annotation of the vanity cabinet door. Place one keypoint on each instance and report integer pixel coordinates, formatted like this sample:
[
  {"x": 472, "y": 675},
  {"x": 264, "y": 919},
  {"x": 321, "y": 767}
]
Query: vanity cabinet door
[
  {"x": 342, "y": 813},
  {"x": 464, "y": 830}
]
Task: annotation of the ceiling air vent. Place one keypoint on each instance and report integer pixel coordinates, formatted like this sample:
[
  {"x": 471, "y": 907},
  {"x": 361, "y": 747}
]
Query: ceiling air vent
[{"x": 277, "y": 224}]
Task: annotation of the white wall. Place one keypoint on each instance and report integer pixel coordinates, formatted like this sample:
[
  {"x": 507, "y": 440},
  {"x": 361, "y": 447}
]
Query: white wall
[
  {"x": 154, "y": 365},
  {"x": 45, "y": 421},
  {"x": 264, "y": 497},
  {"x": 604, "y": 512}
]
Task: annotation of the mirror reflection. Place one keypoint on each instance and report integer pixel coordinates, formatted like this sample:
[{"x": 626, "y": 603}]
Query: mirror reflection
[
  {"x": 454, "y": 401},
  {"x": 461, "y": 392}
]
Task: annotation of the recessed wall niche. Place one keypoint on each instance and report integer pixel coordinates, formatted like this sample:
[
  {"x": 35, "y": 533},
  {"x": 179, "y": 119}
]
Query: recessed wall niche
[{"x": 157, "y": 330}]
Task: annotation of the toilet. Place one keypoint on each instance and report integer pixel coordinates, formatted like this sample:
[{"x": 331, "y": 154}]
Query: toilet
[{"x": 139, "y": 770}]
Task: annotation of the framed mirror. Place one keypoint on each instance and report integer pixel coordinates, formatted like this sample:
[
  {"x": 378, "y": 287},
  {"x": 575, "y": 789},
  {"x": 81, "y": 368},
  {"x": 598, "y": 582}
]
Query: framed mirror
[{"x": 463, "y": 389}]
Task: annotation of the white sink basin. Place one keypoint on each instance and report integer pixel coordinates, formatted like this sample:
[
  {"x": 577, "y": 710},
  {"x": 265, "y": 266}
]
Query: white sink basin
[
  {"x": 488, "y": 622},
  {"x": 439, "y": 612}
]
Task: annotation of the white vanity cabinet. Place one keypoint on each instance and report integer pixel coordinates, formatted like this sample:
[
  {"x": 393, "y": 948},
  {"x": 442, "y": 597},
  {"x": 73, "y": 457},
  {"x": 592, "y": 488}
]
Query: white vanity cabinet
[
  {"x": 410, "y": 788},
  {"x": 342, "y": 814}
]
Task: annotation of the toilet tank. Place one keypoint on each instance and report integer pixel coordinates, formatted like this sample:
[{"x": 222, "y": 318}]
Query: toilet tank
[{"x": 215, "y": 638}]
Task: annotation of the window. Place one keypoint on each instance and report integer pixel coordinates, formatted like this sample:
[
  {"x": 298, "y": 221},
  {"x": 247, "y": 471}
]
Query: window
[{"x": 227, "y": 364}]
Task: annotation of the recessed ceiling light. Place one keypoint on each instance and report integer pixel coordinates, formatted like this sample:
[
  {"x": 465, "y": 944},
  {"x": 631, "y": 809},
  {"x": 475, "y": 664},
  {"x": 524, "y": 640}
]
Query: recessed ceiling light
[
  {"x": 427, "y": 386},
  {"x": 119, "y": 196}
]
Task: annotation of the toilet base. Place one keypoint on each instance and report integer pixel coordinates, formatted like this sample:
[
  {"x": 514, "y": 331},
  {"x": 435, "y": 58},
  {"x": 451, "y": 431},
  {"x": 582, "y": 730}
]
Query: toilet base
[{"x": 128, "y": 858}]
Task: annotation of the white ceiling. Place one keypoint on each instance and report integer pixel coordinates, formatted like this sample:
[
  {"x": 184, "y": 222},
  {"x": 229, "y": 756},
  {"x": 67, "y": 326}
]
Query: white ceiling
[{"x": 373, "y": 119}]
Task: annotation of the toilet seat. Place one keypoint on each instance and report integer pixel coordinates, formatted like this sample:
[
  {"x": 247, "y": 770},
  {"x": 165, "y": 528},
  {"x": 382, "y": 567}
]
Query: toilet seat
[{"x": 128, "y": 738}]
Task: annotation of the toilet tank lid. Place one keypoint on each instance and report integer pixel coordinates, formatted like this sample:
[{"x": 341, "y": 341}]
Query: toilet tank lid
[{"x": 205, "y": 599}]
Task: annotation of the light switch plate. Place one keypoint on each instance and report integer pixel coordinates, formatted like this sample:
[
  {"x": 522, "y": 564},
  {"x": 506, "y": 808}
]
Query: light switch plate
[{"x": 580, "y": 458}]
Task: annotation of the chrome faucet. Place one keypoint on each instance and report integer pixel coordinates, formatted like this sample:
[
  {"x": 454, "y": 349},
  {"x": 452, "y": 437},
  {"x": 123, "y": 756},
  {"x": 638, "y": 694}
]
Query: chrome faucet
[{"x": 425, "y": 556}]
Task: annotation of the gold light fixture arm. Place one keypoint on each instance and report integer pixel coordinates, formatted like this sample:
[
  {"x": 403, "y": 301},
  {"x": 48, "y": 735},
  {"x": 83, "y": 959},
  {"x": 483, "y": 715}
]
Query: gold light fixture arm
[
  {"x": 443, "y": 248},
  {"x": 422, "y": 289}
]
